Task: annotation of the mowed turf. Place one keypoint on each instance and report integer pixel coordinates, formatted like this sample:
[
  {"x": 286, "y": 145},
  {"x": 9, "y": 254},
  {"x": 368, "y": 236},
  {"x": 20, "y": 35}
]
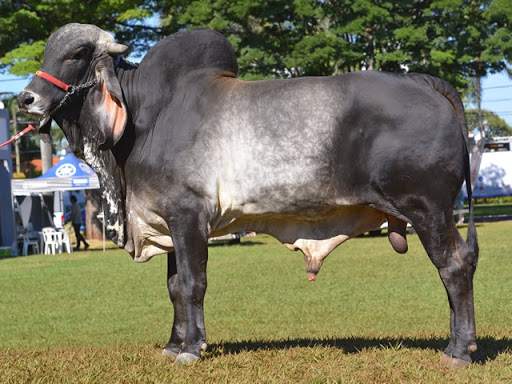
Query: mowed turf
[{"x": 371, "y": 316}]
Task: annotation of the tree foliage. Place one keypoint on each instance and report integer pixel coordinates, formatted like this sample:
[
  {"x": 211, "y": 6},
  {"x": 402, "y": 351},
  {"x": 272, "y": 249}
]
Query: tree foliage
[
  {"x": 499, "y": 43},
  {"x": 497, "y": 126},
  {"x": 25, "y": 25},
  {"x": 452, "y": 39}
]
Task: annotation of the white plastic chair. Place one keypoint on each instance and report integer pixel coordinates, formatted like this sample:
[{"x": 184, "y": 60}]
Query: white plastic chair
[
  {"x": 51, "y": 242},
  {"x": 66, "y": 240},
  {"x": 28, "y": 242}
]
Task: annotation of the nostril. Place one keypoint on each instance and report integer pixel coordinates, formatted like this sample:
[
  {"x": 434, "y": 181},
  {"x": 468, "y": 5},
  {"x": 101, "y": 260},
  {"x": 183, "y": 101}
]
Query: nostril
[
  {"x": 28, "y": 100},
  {"x": 25, "y": 99}
]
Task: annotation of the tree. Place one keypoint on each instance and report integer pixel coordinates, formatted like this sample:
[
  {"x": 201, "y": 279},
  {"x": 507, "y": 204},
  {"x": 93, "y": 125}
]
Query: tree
[
  {"x": 25, "y": 25},
  {"x": 453, "y": 39},
  {"x": 264, "y": 33},
  {"x": 498, "y": 46},
  {"x": 497, "y": 126},
  {"x": 458, "y": 40}
]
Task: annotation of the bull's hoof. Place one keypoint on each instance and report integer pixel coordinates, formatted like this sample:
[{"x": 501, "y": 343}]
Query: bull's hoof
[
  {"x": 454, "y": 362},
  {"x": 170, "y": 352},
  {"x": 186, "y": 358},
  {"x": 172, "y": 349}
]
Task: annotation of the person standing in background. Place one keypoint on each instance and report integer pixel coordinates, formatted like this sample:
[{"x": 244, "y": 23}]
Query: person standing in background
[
  {"x": 76, "y": 221},
  {"x": 459, "y": 207}
]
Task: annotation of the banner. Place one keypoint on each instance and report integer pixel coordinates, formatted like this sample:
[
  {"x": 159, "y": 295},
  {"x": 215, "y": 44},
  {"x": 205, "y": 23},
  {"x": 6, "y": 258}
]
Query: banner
[{"x": 495, "y": 176}]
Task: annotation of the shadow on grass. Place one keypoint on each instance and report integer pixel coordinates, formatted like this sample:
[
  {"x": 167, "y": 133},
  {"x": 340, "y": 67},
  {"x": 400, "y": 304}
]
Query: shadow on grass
[
  {"x": 488, "y": 347},
  {"x": 234, "y": 243}
]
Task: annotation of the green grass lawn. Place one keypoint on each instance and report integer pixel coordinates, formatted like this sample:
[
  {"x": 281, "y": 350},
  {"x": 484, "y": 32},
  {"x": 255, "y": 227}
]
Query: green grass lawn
[{"x": 371, "y": 316}]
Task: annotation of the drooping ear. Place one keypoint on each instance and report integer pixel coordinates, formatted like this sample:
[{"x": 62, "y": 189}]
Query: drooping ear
[{"x": 109, "y": 111}]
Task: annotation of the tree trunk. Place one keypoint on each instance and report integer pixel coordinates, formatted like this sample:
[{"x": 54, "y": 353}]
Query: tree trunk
[
  {"x": 478, "y": 150},
  {"x": 370, "y": 49},
  {"x": 93, "y": 226},
  {"x": 46, "y": 156}
]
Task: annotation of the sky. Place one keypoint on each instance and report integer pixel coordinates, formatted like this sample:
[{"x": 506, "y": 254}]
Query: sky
[{"x": 496, "y": 97}]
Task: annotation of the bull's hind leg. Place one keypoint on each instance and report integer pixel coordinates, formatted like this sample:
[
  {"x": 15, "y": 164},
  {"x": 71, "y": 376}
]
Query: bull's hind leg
[
  {"x": 179, "y": 327},
  {"x": 456, "y": 264}
]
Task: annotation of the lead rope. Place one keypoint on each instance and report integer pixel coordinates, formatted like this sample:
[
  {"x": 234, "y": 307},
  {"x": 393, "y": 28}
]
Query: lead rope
[{"x": 16, "y": 137}]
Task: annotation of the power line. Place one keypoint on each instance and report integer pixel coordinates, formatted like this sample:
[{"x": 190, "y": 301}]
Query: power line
[
  {"x": 497, "y": 86},
  {"x": 496, "y": 100},
  {"x": 15, "y": 79}
]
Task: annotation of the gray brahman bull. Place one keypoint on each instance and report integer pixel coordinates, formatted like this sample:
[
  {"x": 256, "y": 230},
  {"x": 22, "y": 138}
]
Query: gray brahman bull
[{"x": 184, "y": 151}]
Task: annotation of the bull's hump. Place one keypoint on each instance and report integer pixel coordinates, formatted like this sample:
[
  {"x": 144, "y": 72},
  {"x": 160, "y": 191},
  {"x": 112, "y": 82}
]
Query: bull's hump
[{"x": 193, "y": 50}]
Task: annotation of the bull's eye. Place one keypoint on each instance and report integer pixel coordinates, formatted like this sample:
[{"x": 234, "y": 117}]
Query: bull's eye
[{"x": 78, "y": 55}]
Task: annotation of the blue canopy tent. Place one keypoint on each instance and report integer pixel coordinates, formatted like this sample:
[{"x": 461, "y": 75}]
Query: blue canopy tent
[{"x": 69, "y": 174}]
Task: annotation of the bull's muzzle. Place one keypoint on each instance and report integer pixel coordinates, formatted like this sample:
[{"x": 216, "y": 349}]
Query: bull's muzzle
[{"x": 25, "y": 100}]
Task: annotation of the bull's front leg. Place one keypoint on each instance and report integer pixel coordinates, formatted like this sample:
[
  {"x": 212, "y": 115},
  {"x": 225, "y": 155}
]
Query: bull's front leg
[{"x": 188, "y": 286}]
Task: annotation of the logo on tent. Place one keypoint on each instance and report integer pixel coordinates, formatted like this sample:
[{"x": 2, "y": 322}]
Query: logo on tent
[
  {"x": 65, "y": 170},
  {"x": 84, "y": 167}
]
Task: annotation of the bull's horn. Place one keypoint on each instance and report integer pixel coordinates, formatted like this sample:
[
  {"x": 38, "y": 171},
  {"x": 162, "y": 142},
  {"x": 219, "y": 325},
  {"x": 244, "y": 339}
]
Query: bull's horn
[
  {"x": 115, "y": 48},
  {"x": 111, "y": 47}
]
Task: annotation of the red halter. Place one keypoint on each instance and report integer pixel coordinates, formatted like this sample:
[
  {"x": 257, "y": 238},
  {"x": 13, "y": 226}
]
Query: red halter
[
  {"x": 69, "y": 89},
  {"x": 53, "y": 80}
]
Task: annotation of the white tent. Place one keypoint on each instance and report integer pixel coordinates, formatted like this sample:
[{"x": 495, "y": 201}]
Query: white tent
[{"x": 495, "y": 176}]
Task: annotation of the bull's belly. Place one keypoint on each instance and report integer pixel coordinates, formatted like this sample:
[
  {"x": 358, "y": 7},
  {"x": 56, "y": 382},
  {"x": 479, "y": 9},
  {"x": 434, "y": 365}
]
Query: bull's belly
[{"x": 316, "y": 237}]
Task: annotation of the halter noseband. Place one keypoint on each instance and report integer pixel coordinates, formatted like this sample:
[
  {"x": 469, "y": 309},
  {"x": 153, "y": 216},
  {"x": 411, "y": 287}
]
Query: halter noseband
[
  {"x": 53, "y": 80},
  {"x": 69, "y": 89}
]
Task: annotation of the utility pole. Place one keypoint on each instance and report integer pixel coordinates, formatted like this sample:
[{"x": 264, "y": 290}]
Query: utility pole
[
  {"x": 483, "y": 127},
  {"x": 46, "y": 155},
  {"x": 16, "y": 143}
]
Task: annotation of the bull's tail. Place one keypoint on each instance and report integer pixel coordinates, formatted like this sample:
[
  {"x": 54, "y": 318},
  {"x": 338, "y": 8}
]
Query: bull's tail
[
  {"x": 472, "y": 239},
  {"x": 446, "y": 89}
]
